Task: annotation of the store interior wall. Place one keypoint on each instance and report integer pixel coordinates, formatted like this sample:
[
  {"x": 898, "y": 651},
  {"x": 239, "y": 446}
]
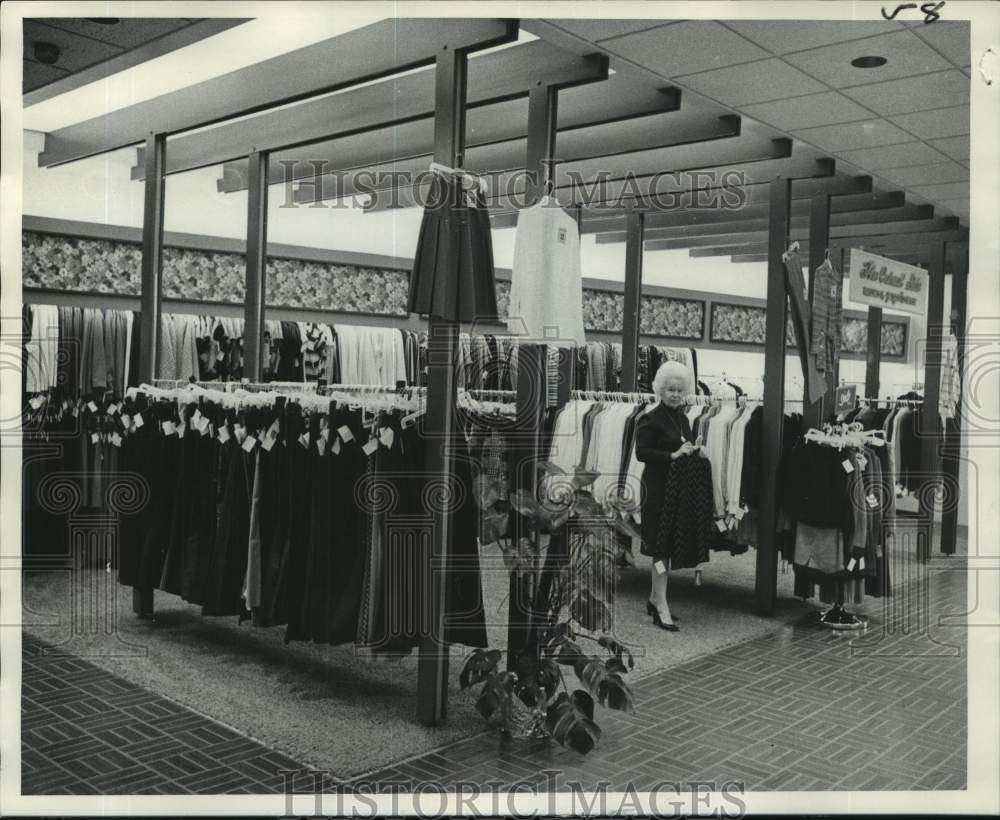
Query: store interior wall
[{"x": 100, "y": 190}]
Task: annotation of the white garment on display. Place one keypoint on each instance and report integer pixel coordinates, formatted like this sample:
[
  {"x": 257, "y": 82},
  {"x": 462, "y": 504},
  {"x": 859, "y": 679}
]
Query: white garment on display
[
  {"x": 546, "y": 289},
  {"x": 43, "y": 349},
  {"x": 951, "y": 382}
]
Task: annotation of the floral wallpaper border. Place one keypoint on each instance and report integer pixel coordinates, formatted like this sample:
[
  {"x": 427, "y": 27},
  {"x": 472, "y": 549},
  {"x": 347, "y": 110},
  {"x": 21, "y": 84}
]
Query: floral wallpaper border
[
  {"x": 70, "y": 263},
  {"x": 671, "y": 317},
  {"x": 745, "y": 325}
]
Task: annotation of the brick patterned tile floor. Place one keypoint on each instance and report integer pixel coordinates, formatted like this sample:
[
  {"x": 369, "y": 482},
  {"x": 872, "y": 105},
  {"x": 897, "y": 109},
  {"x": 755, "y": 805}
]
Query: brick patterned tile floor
[{"x": 802, "y": 708}]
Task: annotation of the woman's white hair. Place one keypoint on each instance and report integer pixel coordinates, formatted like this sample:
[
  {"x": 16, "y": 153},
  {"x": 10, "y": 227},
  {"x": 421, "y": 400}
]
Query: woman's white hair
[{"x": 671, "y": 370}]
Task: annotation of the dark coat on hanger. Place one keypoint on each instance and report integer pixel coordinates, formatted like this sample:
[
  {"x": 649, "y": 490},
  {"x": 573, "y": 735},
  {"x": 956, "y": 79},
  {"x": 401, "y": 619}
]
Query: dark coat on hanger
[{"x": 658, "y": 433}]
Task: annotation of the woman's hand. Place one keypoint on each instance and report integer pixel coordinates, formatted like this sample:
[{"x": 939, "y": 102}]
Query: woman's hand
[{"x": 684, "y": 450}]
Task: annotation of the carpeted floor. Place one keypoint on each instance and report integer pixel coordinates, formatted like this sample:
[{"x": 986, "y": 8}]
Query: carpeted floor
[{"x": 332, "y": 710}]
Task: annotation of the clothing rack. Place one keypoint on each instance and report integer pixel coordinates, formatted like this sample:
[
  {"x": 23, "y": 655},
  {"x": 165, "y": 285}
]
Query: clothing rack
[
  {"x": 888, "y": 402},
  {"x": 606, "y": 395}
]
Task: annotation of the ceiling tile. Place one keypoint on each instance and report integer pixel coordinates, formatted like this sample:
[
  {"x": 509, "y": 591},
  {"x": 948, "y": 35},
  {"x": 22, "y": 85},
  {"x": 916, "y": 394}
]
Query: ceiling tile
[
  {"x": 954, "y": 147},
  {"x": 894, "y": 156},
  {"x": 914, "y": 93},
  {"x": 805, "y": 112},
  {"x": 687, "y": 47},
  {"x": 946, "y": 190},
  {"x": 76, "y": 52},
  {"x": 785, "y": 36},
  {"x": 761, "y": 81},
  {"x": 906, "y": 56},
  {"x": 958, "y": 206},
  {"x": 863, "y": 134},
  {"x": 128, "y": 32},
  {"x": 951, "y": 38},
  {"x": 596, "y": 30},
  {"x": 927, "y": 174},
  {"x": 940, "y": 122},
  {"x": 38, "y": 74}
]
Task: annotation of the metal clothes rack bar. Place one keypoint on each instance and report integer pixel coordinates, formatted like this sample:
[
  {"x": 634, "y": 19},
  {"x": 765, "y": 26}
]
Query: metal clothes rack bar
[{"x": 611, "y": 395}]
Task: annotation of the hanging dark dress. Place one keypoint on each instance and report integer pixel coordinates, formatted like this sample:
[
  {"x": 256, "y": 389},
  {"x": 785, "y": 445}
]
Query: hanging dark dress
[
  {"x": 685, "y": 527},
  {"x": 453, "y": 276},
  {"x": 658, "y": 433}
]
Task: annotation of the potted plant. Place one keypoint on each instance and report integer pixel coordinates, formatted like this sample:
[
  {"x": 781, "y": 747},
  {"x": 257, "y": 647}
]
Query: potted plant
[{"x": 530, "y": 696}]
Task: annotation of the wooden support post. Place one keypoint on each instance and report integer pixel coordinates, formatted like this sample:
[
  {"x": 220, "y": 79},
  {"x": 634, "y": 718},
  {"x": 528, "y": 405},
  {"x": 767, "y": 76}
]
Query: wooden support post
[
  {"x": 930, "y": 433},
  {"x": 873, "y": 354},
  {"x": 774, "y": 394},
  {"x": 543, "y": 107},
  {"x": 532, "y": 370},
  {"x": 150, "y": 304},
  {"x": 819, "y": 244},
  {"x": 256, "y": 267},
  {"x": 442, "y": 396},
  {"x": 635, "y": 226},
  {"x": 953, "y": 450}
]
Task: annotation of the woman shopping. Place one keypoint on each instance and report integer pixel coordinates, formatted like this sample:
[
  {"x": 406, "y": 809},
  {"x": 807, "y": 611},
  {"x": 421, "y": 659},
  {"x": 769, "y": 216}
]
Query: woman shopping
[{"x": 677, "y": 489}]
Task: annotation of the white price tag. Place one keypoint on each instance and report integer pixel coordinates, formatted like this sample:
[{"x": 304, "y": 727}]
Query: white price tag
[
  {"x": 116, "y": 440},
  {"x": 223, "y": 434},
  {"x": 386, "y": 435},
  {"x": 335, "y": 449},
  {"x": 94, "y": 438},
  {"x": 205, "y": 428},
  {"x": 91, "y": 407},
  {"x": 345, "y": 433},
  {"x": 126, "y": 421},
  {"x": 861, "y": 563},
  {"x": 370, "y": 447},
  {"x": 846, "y": 464},
  {"x": 851, "y": 565},
  {"x": 660, "y": 567},
  {"x": 304, "y": 440},
  {"x": 267, "y": 442},
  {"x": 112, "y": 409},
  {"x": 249, "y": 443},
  {"x": 872, "y": 501},
  {"x": 168, "y": 428},
  {"x": 720, "y": 525},
  {"x": 138, "y": 421},
  {"x": 321, "y": 445},
  {"x": 196, "y": 415}
]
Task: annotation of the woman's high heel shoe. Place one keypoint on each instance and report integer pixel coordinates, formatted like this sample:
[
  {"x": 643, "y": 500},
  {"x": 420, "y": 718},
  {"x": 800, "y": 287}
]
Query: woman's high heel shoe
[
  {"x": 651, "y": 610},
  {"x": 658, "y": 621}
]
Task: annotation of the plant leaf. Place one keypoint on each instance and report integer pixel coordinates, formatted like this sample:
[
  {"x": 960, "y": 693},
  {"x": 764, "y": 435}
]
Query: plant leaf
[
  {"x": 570, "y": 721},
  {"x": 525, "y": 503},
  {"x": 480, "y": 664},
  {"x": 486, "y": 491},
  {"x": 616, "y": 649}
]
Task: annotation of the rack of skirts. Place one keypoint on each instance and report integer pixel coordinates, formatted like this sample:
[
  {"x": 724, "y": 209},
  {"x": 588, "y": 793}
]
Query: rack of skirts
[{"x": 308, "y": 514}]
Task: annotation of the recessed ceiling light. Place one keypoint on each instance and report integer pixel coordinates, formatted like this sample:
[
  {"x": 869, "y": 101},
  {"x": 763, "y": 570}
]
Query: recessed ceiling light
[{"x": 868, "y": 62}]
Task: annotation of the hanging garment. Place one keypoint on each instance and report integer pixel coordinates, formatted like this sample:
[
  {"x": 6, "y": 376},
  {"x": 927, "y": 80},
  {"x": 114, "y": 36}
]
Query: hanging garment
[
  {"x": 659, "y": 432},
  {"x": 951, "y": 381},
  {"x": 685, "y": 530},
  {"x": 453, "y": 276},
  {"x": 826, "y": 317},
  {"x": 795, "y": 286},
  {"x": 546, "y": 288},
  {"x": 42, "y": 349}
]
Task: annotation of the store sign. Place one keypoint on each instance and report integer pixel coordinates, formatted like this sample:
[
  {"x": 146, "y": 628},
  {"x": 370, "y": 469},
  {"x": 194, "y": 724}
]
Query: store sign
[
  {"x": 886, "y": 283},
  {"x": 846, "y": 398}
]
